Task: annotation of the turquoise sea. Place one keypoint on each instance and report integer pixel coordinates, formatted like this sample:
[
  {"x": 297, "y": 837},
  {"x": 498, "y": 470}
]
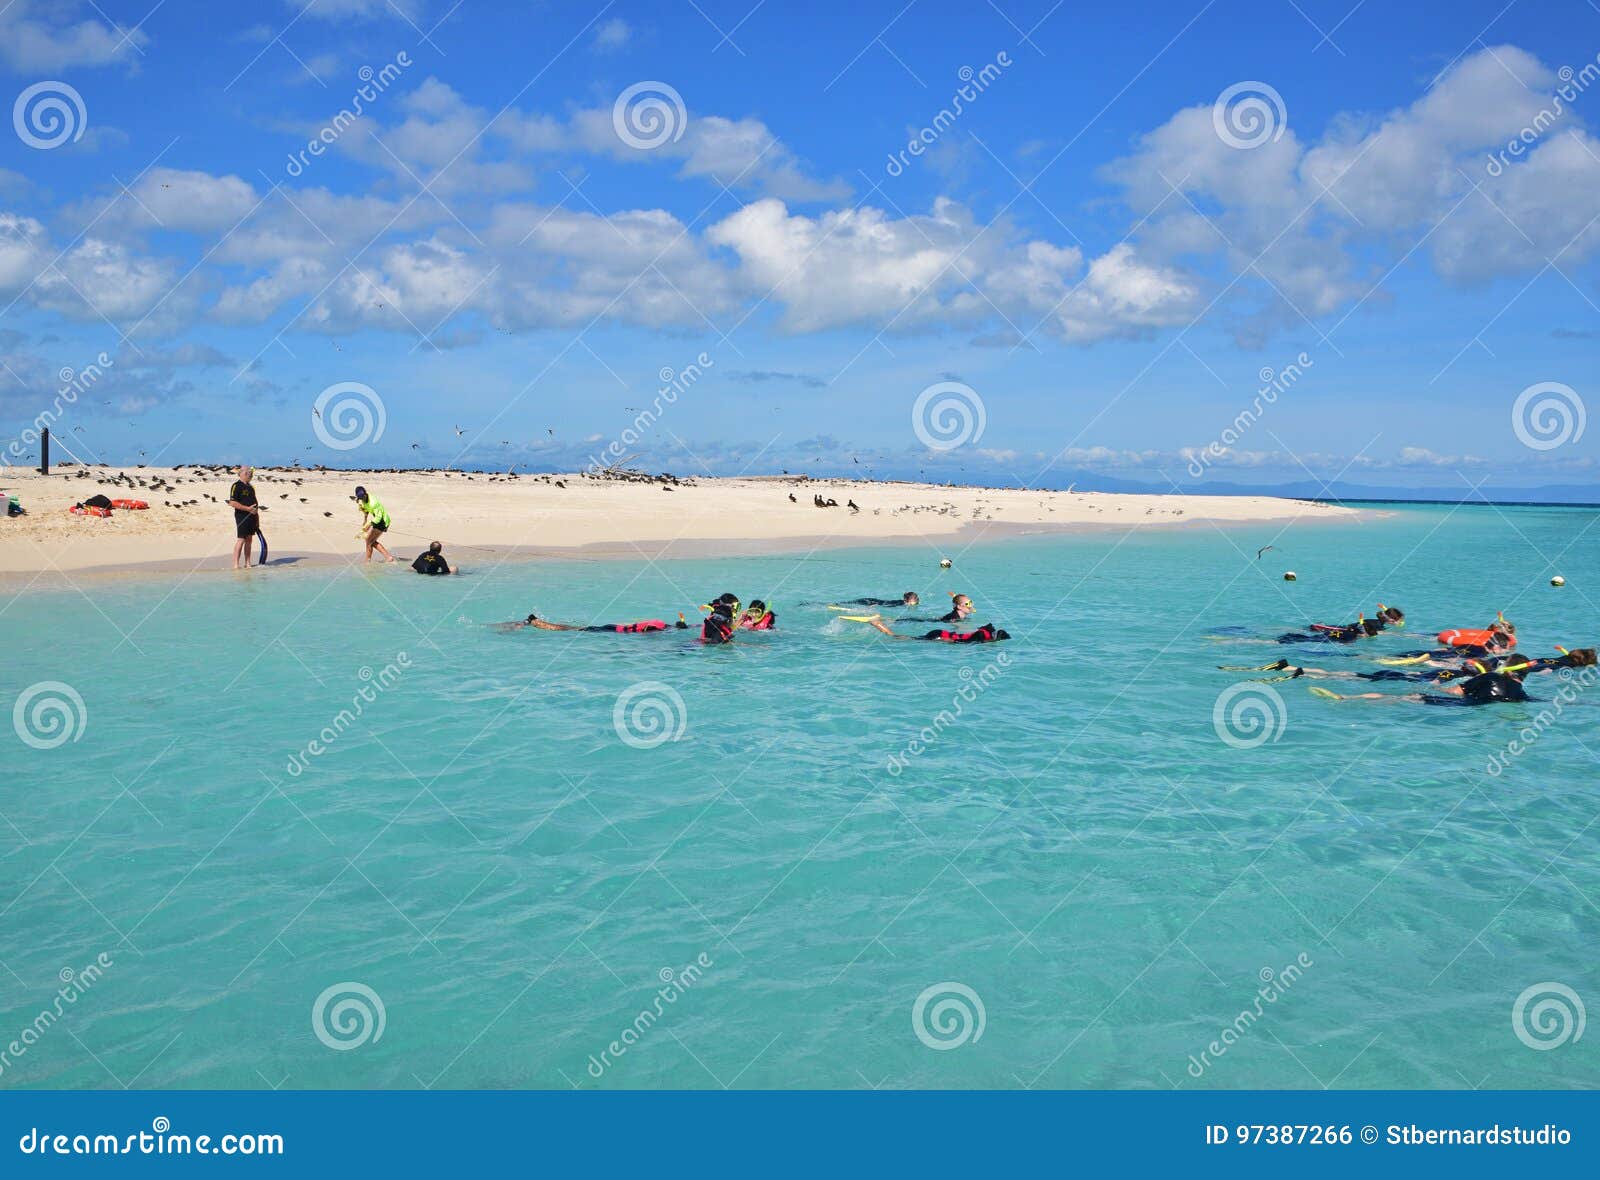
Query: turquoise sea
[{"x": 1072, "y": 880}]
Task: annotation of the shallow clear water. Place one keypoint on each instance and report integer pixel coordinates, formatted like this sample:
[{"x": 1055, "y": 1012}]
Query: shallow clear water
[{"x": 1077, "y": 847}]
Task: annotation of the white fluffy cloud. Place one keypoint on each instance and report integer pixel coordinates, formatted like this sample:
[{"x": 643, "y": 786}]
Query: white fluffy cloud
[
  {"x": 1315, "y": 225},
  {"x": 37, "y": 38},
  {"x": 1309, "y": 227}
]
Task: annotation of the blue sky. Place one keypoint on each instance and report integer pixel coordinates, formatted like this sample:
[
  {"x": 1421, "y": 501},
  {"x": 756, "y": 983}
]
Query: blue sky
[{"x": 1094, "y": 247}]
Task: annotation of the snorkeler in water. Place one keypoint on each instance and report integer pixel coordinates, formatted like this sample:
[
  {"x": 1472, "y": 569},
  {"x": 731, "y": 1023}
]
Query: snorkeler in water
[
  {"x": 757, "y": 617},
  {"x": 961, "y": 609},
  {"x": 721, "y": 621},
  {"x": 908, "y": 599},
  {"x": 1486, "y": 688},
  {"x": 641, "y": 627},
  {"x": 1362, "y": 628},
  {"x": 988, "y": 633},
  {"x": 1416, "y": 675}
]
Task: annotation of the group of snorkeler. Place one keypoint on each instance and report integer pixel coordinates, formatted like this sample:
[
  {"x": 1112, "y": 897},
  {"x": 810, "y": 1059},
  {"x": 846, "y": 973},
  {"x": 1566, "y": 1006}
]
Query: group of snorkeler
[
  {"x": 1471, "y": 668},
  {"x": 725, "y": 616}
]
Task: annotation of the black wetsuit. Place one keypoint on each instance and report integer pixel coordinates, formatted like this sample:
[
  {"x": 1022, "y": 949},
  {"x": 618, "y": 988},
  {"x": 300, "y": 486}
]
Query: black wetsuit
[
  {"x": 874, "y": 602},
  {"x": 1487, "y": 688},
  {"x": 1365, "y": 629},
  {"x": 245, "y": 524},
  {"x": 952, "y": 616},
  {"x": 431, "y": 563}
]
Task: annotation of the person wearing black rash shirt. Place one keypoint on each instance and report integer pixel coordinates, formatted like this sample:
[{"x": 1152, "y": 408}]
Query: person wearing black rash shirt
[
  {"x": 961, "y": 609},
  {"x": 1348, "y": 632},
  {"x": 908, "y": 599},
  {"x": 1486, "y": 688},
  {"x": 433, "y": 562}
]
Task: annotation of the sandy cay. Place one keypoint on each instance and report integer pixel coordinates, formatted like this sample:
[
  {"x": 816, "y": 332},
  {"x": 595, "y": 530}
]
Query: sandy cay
[{"x": 311, "y": 515}]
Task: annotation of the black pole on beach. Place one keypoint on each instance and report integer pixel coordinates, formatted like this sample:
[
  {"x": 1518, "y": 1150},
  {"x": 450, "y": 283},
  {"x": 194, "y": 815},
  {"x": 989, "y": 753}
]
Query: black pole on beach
[{"x": 44, "y": 451}]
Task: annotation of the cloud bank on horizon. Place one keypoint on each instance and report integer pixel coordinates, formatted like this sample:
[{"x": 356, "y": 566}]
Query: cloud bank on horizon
[{"x": 489, "y": 236}]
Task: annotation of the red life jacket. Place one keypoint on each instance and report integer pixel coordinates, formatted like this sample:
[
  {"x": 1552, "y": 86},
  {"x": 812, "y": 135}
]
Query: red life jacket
[
  {"x": 765, "y": 623},
  {"x": 983, "y": 634},
  {"x": 641, "y": 626}
]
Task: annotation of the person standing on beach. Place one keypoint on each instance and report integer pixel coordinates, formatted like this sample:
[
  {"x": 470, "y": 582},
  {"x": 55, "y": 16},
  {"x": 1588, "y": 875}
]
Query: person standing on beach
[
  {"x": 375, "y": 521},
  {"x": 246, "y": 515}
]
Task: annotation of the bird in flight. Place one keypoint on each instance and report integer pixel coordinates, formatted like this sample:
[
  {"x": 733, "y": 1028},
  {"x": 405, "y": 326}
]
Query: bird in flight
[{"x": 1262, "y": 550}]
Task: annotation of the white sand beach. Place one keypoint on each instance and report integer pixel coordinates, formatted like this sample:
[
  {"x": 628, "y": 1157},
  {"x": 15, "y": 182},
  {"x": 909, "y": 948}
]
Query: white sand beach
[{"x": 311, "y": 516}]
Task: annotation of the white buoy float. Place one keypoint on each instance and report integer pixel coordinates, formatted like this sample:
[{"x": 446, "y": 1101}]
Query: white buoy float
[
  {"x": 1290, "y": 576},
  {"x": 1558, "y": 580}
]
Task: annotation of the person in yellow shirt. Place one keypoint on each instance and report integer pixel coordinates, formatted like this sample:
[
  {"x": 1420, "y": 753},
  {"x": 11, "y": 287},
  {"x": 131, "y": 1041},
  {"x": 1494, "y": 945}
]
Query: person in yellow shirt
[{"x": 375, "y": 521}]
